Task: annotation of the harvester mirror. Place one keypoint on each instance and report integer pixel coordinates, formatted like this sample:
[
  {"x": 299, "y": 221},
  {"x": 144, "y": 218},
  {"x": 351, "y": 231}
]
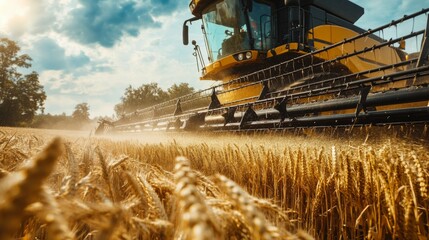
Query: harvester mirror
[
  {"x": 185, "y": 31},
  {"x": 185, "y": 34}
]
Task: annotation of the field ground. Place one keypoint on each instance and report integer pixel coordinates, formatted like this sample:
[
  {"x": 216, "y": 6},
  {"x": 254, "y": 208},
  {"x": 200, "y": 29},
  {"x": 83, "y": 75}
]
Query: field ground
[{"x": 371, "y": 183}]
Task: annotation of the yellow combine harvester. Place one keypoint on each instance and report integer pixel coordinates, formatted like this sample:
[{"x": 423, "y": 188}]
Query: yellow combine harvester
[{"x": 297, "y": 63}]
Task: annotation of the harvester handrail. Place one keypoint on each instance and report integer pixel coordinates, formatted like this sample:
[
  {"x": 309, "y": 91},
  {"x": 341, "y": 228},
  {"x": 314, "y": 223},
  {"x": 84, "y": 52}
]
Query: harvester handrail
[{"x": 333, "y": 80}]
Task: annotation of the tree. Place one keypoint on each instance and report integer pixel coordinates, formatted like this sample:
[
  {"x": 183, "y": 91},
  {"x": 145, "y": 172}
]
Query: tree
[
  {"x": 148, "y": 95},
  {"x": 81, "y": 112},
  {"x": 137, "y": 98},
  {"x": 21, "y": 96},
  {"x": 182, "y": 89}
]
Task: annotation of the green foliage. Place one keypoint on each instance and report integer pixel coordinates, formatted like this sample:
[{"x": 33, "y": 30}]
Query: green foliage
[
  {"x": 148, "y": 95},
  {"x": 182, "y": 89},
  {"x": 20, "y": 95},
  {"x": 81, "y": 112},
  {"x": 52, "y": 121}
]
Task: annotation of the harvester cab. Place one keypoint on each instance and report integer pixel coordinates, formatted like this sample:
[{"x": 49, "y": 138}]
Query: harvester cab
[{"x": 259, "y": 33}]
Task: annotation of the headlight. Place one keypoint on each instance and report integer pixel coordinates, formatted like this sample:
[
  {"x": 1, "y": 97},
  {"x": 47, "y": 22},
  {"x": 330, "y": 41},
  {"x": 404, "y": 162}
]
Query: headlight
[
  {"x": 248, "y": 55},
  {"x": 240, "y": 57}
]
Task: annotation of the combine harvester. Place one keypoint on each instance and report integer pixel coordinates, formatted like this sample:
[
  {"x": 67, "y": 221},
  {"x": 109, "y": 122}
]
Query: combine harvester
[{"x": 297, "y": 63}]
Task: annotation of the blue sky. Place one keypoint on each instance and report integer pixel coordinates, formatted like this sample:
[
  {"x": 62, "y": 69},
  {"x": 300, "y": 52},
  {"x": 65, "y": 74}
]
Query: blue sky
[{"x": 91, "y": 50}]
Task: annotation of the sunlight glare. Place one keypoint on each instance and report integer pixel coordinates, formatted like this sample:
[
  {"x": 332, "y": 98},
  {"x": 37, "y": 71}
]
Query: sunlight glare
[{"x": 12, "y": 9}]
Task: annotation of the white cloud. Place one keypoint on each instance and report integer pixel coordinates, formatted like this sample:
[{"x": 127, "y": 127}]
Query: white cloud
[
  {"x": 61, "y": 103},
  {"x": 156, "y": 55},
  {"x": 23, "y": 17}
]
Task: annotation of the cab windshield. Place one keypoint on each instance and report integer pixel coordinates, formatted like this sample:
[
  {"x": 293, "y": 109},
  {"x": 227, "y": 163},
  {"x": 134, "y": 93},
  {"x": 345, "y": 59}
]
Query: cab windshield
[
  {"x": 225, "y": 29},
  {"x": 260, "y": 25},
  {"x": 227, "y": 24}
]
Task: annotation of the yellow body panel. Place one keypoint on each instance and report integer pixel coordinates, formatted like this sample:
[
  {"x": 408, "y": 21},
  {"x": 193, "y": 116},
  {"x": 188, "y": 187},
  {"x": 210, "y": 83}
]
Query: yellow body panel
[
  {"x": 239, "y": 94},
  {"x": 326, "y": 35},
  {"x": 213, "y": 71},
  {"x": 222, "y": 66},
  {"x": 229, "y": 62},
  {"x": 284, "y": 49}
]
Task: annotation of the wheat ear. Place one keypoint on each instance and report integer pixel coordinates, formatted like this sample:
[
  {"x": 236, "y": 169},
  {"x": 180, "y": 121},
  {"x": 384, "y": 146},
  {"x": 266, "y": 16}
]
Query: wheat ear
[
  {"x": 156, "y": 209},
  {"x": 197, "y": 219},
  {"x": 73, "y": 171},
  {"x": 20, "y": 189},
  {"x": 260, "y": 227},
  {"x": 50, "y": 214}
]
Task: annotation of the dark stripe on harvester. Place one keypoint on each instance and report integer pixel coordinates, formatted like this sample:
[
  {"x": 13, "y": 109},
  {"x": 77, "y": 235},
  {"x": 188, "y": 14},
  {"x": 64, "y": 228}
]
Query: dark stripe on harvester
[
  {"x": 372, "y": 61},
  {"x": 322, "y": 41},
  {"x": 361, "y": 58}
]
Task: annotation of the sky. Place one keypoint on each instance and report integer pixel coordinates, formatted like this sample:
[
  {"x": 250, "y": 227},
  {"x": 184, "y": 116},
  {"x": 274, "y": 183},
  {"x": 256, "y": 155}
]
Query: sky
[{"x": 91, "y": 50}]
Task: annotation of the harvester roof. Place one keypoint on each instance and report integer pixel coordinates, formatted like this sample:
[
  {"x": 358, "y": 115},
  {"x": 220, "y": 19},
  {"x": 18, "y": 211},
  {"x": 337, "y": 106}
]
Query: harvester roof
[{"x": 342, "y": 8}]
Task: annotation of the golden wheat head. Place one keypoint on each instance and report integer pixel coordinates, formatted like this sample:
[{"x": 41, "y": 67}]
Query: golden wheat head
[
  {"x": 197, "y": 218},
  {"x": 22, "y": 188}
]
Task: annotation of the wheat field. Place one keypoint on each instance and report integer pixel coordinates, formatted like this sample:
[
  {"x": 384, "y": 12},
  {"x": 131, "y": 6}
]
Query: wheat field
[{"x": 309, "y": 184}]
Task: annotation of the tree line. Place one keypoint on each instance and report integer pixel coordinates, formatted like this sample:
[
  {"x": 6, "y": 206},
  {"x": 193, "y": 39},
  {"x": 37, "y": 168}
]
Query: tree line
[
  {"x": 148, "y": 95},
  {"x": 22, "y": 97},
  {"x": 78, "y": 120}
]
